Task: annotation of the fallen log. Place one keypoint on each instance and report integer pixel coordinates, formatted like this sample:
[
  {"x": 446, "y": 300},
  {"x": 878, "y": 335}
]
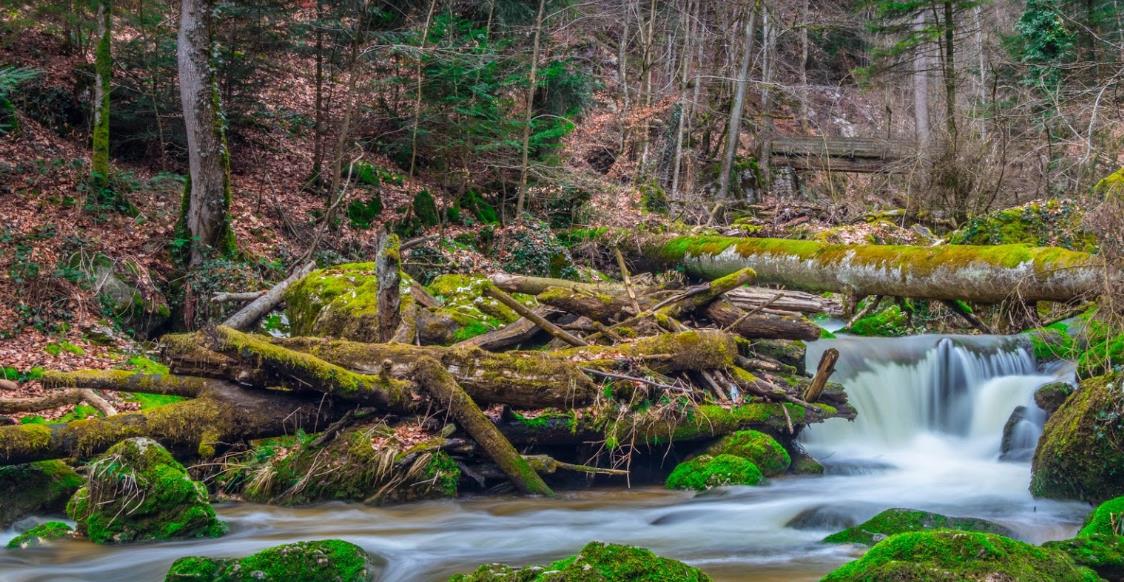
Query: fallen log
[
  {"x": 127, "y": 381},
  {"x": 823, "y": 372},
  {"x": 783, "y": 299},
  {"x": 498, "y": 294},
  {"x": 760, "y": 325},
  {"x": 535, "y": 285},
  {"x": 980, "y": 274},
  {"x": 249, "y": 314}
]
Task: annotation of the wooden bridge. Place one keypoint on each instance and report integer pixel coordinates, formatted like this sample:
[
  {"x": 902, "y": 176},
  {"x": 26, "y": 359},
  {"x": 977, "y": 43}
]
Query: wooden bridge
[{"x": 840, "y": 154}]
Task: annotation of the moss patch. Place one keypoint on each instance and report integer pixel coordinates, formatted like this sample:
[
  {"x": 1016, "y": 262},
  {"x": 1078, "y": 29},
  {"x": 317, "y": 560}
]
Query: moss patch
[
  {"x": 40, "y": 534},
  {"x": 324, "y": 560},
  {"x": 705, "y": 471},
  {"x": 1106, "y": 519},
  {"x": 597, "y": 562},
  {"x": 136, "y": 491},
  {"x": 894, "y": 521},
  {"x": 955, "y": 555},
  {"x": 889, "y": 322},
  {"x": 758, "y": 447},
  {"x": 1080, "y": 455},
  {"x": 1104, "y": 554},
  {"x": 1056, "y": 223}
]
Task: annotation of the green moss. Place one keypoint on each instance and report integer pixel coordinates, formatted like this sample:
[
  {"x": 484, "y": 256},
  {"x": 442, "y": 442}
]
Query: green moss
[
  {"x": 597, "y": 562},
  {"x": 1079, "y": 454},
  {"x": 323, "y": 560},
  {"x": 889, "y": 322},
  {"x": 475, "y": 313},
  {"x": 943, "y": 555},
  {"x": 705, "y": 471},
  {"x": 425, "y": 209},
  {"x": 758, "y": 447},
  {"x": 1048, "y": 223},
  {"x": 806, "y": 465},
  {"x": 1106, "y": 519},
  {"x": 40, "y": 534},
  {"x": 894, "y": 521},
  {"x": 136, "y": 491},
  {"x": 1104, "y": 554},
  {"x": 39, "y": 488}
]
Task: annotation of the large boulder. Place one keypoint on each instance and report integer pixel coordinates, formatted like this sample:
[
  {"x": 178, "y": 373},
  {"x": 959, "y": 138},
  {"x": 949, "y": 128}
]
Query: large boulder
[
  {"x": 895, "y": 521},
  {"x": 755, "y": 446},
  {"x": 596, "y": 562},
  {"x": 127, "y": 296},
  {"x": 136, "y": 491},
  {"x": 1051, "y": 396},
  {"x": 1081, "y": 452},
  {"x": 42, "y": 487},
  {"x": 367, "y": 463},
  {"x": 319, "y": 561},
  {"x": 706, "y": 471},
  {"x": 944, "y": 555}
]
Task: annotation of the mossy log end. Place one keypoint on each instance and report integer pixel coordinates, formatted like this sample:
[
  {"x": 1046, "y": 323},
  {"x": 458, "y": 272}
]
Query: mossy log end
[
  {"x": 223, "y": 413},
  {"x": 523, "y": 379},
  {"x": 127, "y": 381},
  {"x": 443, "y": 387},
  {"x": 982, "y": 274}
]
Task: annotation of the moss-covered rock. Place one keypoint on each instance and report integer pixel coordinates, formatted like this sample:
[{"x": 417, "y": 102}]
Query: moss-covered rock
[
  {"x": 319, "y": 561},
  {"x": 890, "y": 321},
  {"x": 1106, "y": 519},
  {"x": 464, "y": 302},
  {"x": 136, "y": 491},
  {"x": 366, "y": 463},
  {"x": 42, "y": 487},
  {"x": 805, "y": 464},
  {"x": 597, "y": 562},
  {"x": 340, "y": 301},
  {"x": 1104, "y": 554},
  {"x": 40, "y": 534},
  {"x": 706, "y": 471},
  {"x": 1051, "y": 396},
  {"x": 758, "y": 447},
  {"x": 1056, "y": 223},
  {"x": 894, "y": 521},
  {"x": 947, "y": 555},
  {"x": 1081, "y": 452}
]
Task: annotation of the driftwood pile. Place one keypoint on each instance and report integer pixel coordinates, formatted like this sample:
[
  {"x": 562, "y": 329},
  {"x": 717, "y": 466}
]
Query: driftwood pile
[{"x": 620, "y": 366}]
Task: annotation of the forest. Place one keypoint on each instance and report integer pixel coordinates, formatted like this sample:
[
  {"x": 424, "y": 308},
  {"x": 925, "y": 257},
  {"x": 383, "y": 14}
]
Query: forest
[{"x": 561, "y": 290}]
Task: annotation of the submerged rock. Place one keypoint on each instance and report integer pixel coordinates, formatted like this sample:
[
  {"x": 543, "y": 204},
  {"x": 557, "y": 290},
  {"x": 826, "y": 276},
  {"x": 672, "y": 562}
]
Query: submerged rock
[
  {"x": 755, "y": 446},
  {"x": 894, "y": 521},
  {"x": 821, "y": 517},
  {"x": 319, "y": 561},
  {"x": 958, "y": 555},
  {"x": 1020, "y": 435},
  {"x": 136, "y": 491},
  {"x": 35, "y": 488},
  {"x": 1081, "y": 452},
  {"x": 596, "y": 562},
  {"x": 705, "y": 471},
  {"x": 40, "y": 534}
]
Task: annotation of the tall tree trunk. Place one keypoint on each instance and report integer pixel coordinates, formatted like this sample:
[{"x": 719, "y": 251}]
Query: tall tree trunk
[
  {"x": 521, "y": 200},
  {"x": 950, "y": 72},
  {"x": 768, "y": 65},
  {"x": 804, "y": 89},
  {"x": 734, "y": 126},
  {"x": 622, "y": 76},
  {"x": 103, "y": 70},
  {"x": 207, "y": 212},
  {"x": 921, "y": 89},
  {"x": 688, "y": 33},
  {"x": 649, "y": 64},
  {"x": 418, "y": 91},
  {"x": 318, "y": 124}
]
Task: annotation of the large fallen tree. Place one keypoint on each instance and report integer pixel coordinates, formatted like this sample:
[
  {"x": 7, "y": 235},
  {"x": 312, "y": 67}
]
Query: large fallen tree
[{"x": 983, "y": 274}]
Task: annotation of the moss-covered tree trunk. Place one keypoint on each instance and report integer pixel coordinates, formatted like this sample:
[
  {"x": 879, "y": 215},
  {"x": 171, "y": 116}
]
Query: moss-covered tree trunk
[
  {"x": 103, "y": 70},
  {"x": 206, "y": 219},
  {"x": 983, "y": 274}
]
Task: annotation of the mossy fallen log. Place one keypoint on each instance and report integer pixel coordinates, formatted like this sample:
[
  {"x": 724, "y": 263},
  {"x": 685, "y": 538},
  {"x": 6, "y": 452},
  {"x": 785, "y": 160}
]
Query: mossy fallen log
[
  {"x": 127, "y": 381},
  {"x": 759, "y": 325},
  {"x": 982, "y": 274}
]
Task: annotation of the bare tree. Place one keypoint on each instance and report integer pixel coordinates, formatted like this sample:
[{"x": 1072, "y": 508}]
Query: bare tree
[{"x": 734, "y": 125}]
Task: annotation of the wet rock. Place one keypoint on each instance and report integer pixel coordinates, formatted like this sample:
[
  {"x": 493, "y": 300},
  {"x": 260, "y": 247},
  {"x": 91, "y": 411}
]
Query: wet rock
[
  {"x": 894, "y": 521},
  {"x": 136, "y": 491},
  {"x": 41, "y": 535},
  {"x": 822, "y": 517},
  {"x": 35, "y": 488},
  {"x": 958, "y": 555},
  {"x": 755, "y": 446},
  {"x": 705, "y": 471},
  {"x": 1081, "y": 452},
  {"x": 805, "y": 464},
  {"x": 135, "y": 306},
  {"x": 1051, "y": 396},
  {"x": 597, "y": 562},
  {"x": 1020, "y": 436},
  {"x": 324, "y": 560}
]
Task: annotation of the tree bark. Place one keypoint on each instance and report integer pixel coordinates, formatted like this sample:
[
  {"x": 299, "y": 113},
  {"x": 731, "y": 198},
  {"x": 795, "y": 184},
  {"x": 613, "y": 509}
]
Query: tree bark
[
  {"x": 389, "y": 278},
  {"x": 921, "y": 88},
  {"x": 978, "y": 274},
  {"x": 521, "y": 200},
  {"x": 734, "y": 125},
  {"x": 207, "y": 212},
  {"x": 103, "y": 70},
  {"x": 761, "y": 325},
  {"x": 248, "y": 315}
]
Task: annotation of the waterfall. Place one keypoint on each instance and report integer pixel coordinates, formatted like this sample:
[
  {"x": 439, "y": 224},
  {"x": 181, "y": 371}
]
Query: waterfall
[{"x": 959, "y": 391}]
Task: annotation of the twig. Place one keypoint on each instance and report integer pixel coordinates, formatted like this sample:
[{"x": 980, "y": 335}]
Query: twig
[
  {"x": 627, "y": 280},
  {"x": 824, "y": 371},
  {"x": 527, "y": 312}
]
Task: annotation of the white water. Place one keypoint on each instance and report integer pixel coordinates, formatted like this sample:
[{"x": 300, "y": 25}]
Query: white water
[{"x": 931, "y": 414}]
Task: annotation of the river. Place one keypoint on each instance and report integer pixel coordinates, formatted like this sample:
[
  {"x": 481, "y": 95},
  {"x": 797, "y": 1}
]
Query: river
[{"x": 931, "y": 416}]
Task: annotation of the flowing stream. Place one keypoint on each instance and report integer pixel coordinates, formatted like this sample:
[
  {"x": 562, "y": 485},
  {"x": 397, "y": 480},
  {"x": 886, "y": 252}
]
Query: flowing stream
[{"x": 931, "y": 415}]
